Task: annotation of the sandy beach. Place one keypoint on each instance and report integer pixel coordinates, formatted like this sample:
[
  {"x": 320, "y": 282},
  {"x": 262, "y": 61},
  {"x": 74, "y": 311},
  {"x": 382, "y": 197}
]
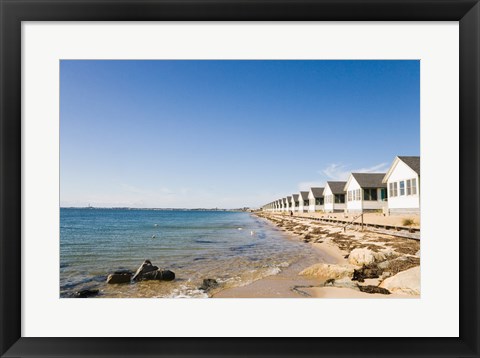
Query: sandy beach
[{"x": 351, "y": 264}]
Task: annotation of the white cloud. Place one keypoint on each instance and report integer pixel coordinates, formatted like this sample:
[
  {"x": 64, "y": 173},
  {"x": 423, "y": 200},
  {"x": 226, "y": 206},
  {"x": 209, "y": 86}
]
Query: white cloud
[{"x": 338, "y": 171}]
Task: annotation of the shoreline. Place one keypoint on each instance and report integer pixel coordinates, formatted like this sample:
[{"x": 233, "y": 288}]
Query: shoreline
[{"x": 394, "y": 259}]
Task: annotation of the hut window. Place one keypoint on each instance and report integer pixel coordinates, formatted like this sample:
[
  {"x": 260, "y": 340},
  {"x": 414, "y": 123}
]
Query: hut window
[
  {"x": 339, "y": 198},
  {"x": 370, "y": 194},
  {"x": 402, "y": 188},
  {"x": 409, "y": 187},
  {"x": 393, "y": 189},
  {"x": 414, "y": 186}
]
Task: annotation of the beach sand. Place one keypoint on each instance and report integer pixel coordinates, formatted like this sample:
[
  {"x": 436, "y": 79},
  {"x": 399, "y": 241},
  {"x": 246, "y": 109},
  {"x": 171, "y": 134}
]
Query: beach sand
[{"x": 330, "y": 245}]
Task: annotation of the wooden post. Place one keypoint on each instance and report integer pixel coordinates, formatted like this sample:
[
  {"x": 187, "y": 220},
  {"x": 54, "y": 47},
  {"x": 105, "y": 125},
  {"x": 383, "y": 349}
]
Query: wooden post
[{"x": 362, "y": 221}]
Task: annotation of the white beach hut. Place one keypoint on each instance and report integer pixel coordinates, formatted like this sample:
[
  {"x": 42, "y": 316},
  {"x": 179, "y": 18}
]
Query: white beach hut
[
  {"x": 403, "y": 185},
  {"x": 303, "y": 202},
  {"x": 334, "y": 196},
  {"x": 294, "y": 203},
  {"x": 289, "y": 204},
  {"x": 365, "y": 192},
  {"x": 315, "y": 199}
]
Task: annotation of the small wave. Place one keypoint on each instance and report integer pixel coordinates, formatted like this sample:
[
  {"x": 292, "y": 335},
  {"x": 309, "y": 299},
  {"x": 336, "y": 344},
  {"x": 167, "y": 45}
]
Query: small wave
[
  {"x": 242, "y": 248},
  {"x": 253, "y": 275},
  {"x": 187, "y": 292},
  {"x": 204, "y": 242},
  {"x": 272, "y": 271}
]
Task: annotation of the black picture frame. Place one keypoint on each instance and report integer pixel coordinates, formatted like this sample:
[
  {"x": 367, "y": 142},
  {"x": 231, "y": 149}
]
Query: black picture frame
[{"x": 13, "y": 12}]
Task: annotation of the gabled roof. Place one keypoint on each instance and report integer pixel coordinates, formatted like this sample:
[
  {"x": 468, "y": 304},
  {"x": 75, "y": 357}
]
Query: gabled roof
[
  {"x": 369, "y": 180},
  {"x": 289, "y": 198},
  {"x": 412, "y": 162},
  {"x": 336, "y": 186},
  {"x": 317, "y": 192},
  {"x": 304, "y": 195},
  {"x": 295, "y": 197}
]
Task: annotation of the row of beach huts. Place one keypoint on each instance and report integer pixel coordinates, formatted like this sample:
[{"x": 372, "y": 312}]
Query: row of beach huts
[{"x": 395, "y": 192}]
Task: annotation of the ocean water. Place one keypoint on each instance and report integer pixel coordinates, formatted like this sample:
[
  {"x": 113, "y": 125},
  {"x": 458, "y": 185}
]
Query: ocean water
[{"x": 234, "y": 248}]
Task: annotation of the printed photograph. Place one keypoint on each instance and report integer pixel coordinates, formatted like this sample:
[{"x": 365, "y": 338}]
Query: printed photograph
[{"x": 240, "y": 179}]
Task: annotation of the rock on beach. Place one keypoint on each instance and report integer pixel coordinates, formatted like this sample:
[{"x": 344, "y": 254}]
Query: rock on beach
[
  {"x": 86, "y": 293},
  {"x": 119, "y": 277},
  {"x": 147, "y": 271},
  {"x": 360, "y": 257},
  {"x": 328, "y": 271},
  {"x": 405, "y": 282},
  {"x": 160, "y": 275},
  {"x": 208, "y": 284}
]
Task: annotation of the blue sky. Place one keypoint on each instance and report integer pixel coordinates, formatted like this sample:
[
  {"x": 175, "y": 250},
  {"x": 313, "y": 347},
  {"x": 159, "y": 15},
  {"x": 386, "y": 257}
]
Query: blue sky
[{"x": 228, "y": 133}]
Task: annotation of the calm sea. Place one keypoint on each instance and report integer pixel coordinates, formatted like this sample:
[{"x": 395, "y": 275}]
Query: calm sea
[{"x": 235, "y": 248}]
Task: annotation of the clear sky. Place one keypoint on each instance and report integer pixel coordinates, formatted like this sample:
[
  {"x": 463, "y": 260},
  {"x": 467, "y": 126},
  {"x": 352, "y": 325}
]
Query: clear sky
[{"x": 228, "y": 133}]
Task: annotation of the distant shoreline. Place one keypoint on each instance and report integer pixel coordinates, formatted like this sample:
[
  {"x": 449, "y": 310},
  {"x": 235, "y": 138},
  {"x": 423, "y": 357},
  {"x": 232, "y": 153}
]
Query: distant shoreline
[{"x": 158, "y": 209}]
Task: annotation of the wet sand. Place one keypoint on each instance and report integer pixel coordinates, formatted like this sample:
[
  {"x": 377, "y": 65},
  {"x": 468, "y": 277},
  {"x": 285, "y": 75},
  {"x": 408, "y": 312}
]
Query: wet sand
[{"x": 284, "y": 284}]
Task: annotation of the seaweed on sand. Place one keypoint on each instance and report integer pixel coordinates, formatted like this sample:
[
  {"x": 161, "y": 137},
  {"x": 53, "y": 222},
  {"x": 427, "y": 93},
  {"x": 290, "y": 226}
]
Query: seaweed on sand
[
  {"x": 318, "y": 231},
  {"x": 400, "y": 264},
  {"x": 409, "y": 247},
  {"x": 373, "y": 289}
]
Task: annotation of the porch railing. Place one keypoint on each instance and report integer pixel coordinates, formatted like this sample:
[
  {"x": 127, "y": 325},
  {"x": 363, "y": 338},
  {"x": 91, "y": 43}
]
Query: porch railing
[{"x": 351, "y": 222}]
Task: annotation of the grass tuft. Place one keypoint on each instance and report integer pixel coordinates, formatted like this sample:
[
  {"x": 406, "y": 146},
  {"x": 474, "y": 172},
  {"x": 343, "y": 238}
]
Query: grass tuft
[{"x": 408, "y": 222}]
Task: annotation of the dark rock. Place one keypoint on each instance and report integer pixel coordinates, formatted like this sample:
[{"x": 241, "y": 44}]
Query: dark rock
[
  {"x": 366, "y": 272},
  {"x": 86, "y": 293},
  {"x": 125, "y": 271},
  {"x": 374, "y": 289},
  {"x": 159, "y": 275},
  {"x": 116, "y": 277},
  {"x": 208, "y": 284},
  {"x": 145, "y": 268}
]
